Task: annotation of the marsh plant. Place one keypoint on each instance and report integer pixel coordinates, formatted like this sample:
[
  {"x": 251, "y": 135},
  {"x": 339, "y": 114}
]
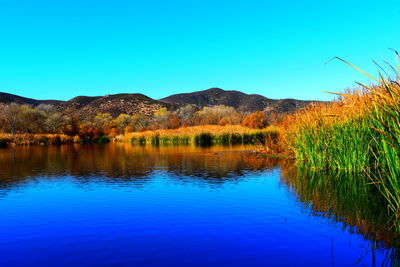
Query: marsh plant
[
  {"x": 359, "y": 131},
  {"x": 206, "y": 135}
]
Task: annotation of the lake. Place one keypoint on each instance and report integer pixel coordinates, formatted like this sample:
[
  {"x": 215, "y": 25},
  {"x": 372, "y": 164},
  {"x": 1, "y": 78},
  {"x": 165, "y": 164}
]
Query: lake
[{"x": 117, "y": 204}]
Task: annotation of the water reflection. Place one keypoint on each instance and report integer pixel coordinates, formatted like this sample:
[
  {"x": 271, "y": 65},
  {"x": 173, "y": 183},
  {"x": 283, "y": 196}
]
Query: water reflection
[
  {"x": 344, "y": 199},
  {"x": 350, "y": 199},
  {"x": 123, "y": 162}
]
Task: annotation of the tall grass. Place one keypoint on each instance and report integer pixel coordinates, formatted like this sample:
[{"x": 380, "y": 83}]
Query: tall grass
[
  {"x": 204, "y": 136},
  {"x": 385, "y": 120},
  {"x": 337, "y": 146},
  {"x": 332, "y": 135},
  {"x": 360, "y": 131}
]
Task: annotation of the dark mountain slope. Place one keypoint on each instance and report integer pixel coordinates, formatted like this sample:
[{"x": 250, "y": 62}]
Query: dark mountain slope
[
  {"x": 239, "y": 100},
  {"x": 116, "y": 104},
  {"x": 10, "y": 98}
]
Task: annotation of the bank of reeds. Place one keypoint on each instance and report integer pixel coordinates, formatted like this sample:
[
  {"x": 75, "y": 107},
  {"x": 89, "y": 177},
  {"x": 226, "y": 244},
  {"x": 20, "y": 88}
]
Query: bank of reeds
[
  {"x": 332, "y": 135},
  {"x": 204, "y": 136},
  {"x": 360, "y": 131},
  {"x": 37, "y": 139}
]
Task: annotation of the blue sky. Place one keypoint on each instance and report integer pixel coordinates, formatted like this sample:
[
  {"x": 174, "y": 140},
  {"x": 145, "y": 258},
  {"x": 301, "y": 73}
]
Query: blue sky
[{"x": 61, "y": 49}]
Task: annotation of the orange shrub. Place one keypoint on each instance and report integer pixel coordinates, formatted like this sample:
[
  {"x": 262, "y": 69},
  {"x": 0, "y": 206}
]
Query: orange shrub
[{"x": 255, "y": 120}]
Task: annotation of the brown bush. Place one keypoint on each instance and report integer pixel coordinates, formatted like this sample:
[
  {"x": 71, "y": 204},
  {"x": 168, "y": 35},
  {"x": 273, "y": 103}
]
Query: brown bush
[{"x": 255, "y": 120}]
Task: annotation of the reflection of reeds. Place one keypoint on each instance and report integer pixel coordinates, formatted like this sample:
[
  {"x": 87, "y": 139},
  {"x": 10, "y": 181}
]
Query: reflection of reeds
[
  {"x": 203, "y": 136},
  {"x": 347, "y": 198}
]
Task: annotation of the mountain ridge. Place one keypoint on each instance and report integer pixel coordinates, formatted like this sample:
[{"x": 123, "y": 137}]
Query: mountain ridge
[
  {"x": 136, "y": 103},
  {"x": 237, "y": 99}
]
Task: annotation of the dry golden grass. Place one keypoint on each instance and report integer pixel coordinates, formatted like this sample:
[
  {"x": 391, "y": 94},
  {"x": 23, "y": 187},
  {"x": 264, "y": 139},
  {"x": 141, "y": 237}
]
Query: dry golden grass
[
  {"x": 37, "y": 139},
  {"x": 349, "y": 105},
  {"x": 214, "y": 129}
]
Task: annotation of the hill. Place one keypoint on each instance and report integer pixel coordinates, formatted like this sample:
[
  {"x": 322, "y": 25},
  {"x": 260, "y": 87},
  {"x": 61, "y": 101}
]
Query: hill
[
  {"x": 10, "y": 98},
  {"x": 239, "y": 100},
  {"x": 116, "y": 104},
  {"x": 88, "y": 106}
]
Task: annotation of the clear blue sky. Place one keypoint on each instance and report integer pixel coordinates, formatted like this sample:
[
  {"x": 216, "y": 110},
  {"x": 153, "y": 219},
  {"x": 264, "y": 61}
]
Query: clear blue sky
[{"x": 60, "y": 49}]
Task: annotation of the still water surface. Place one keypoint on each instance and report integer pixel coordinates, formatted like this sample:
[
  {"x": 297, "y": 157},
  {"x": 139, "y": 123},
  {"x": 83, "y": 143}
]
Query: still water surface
[{"x": 180, "y": 206}]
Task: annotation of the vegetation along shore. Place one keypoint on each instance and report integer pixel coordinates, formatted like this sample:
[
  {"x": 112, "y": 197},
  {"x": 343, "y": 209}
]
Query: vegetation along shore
[{"x": 358, "y": 132}]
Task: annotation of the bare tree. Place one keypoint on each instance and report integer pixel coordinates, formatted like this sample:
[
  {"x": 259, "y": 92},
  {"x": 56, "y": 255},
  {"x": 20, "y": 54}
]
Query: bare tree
[{"x": 10, "y": 118}]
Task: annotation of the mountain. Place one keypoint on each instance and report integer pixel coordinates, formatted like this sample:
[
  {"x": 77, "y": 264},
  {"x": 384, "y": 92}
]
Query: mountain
[
  {"x": 239, "y": 100},
  {"x": 89, "y": 106},
  {"x": 116, "y": 104},
  {"x": 10, "y": 98}
]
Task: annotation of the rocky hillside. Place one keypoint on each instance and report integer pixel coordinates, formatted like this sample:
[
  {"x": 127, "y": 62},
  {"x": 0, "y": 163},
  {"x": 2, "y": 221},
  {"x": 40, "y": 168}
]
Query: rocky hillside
[
  {"x": 90, "y": 106},
  {"x": 116, "y": 104},
  {"x": 239, "y": 100}
]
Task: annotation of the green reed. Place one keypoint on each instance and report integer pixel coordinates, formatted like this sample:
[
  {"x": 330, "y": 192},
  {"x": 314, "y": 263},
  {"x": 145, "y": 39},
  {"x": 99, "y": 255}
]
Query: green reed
[
  {"x": 207, "y": 139},
  {"x": 369, "y": 142},
  {"x": 385, "y": 121},
  {"x": 343, "y": 146}
]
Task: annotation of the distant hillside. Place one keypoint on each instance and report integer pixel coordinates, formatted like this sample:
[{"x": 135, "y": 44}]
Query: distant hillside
[
  {"x": 239, "y": 100},
  {"x": 90, "y": 106},
  {"x": 10, "y": 98},
  {"x": 116, "y": 104}
]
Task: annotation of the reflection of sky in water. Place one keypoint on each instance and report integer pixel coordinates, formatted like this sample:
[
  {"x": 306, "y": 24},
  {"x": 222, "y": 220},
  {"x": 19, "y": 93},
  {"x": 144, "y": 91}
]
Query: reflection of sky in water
[{"x": 187, "y": 208}]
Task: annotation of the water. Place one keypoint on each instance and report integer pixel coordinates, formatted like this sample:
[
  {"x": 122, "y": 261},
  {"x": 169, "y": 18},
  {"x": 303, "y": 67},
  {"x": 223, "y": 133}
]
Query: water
[{"x": 180, "y": 206}]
